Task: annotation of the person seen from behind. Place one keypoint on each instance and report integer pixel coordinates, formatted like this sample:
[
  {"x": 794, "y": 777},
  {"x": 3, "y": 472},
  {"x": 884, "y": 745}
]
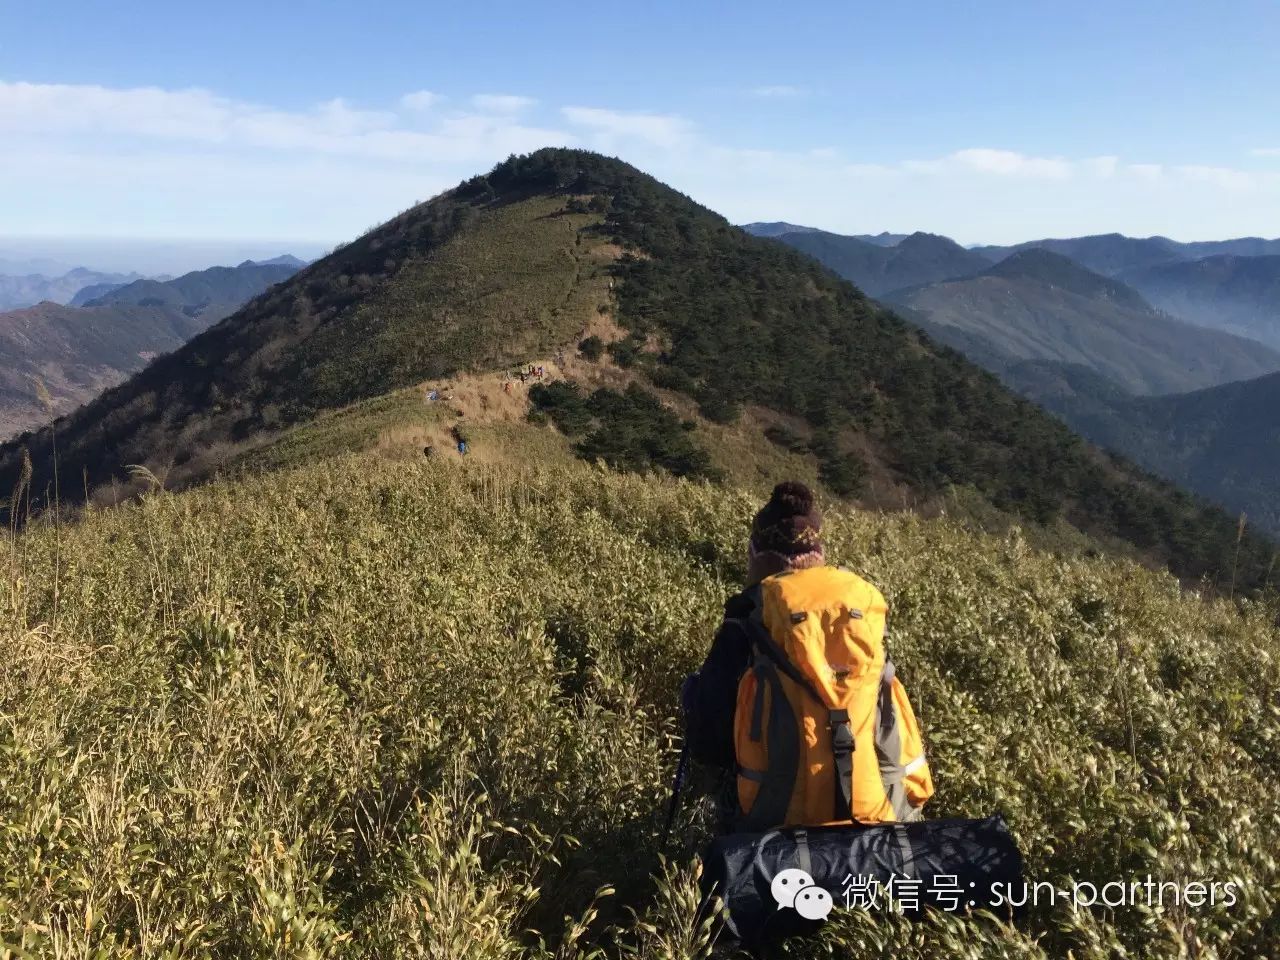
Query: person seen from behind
[{"x": 797, "y": 705}]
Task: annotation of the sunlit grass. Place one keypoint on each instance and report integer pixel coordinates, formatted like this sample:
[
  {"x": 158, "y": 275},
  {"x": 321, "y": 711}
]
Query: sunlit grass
[{"x": 370, "y": 707}]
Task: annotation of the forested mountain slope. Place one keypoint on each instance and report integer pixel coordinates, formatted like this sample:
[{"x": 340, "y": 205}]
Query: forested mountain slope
[
  {"x": 522, "y": 258},
  {"x": 1222, "y": 442}
]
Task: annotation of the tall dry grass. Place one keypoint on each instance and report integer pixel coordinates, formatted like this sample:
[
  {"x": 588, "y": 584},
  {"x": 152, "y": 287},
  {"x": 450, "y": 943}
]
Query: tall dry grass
[{"x": 376, "y": 709}]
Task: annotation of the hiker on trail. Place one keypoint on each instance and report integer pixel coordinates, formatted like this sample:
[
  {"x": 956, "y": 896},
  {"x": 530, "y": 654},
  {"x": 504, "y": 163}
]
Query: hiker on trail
[{"x": 797, "y": 705}]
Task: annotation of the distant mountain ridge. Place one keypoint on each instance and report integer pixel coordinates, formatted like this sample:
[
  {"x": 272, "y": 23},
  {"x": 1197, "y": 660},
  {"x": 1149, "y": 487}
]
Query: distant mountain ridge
[
  {"x": 778, "y": 228},
  {"x": 775, "y": 228},
  {"x": 73, "y": 353},
  {"x": 28, "y": 290},
  {"x": 284, "y": 260},
  {"x": 208, "y": 294},
  {"x": 114, "y": 330},
  {"x": 1038, "y": 305},
  {"x": 877, "y": 269},
  {"x": 1239, "y": 294},
  {"x": 1223, "y": 442},
  {"x": 1114, "y": 253}
]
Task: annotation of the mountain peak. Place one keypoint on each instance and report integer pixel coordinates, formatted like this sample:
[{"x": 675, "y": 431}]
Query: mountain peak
[
  {"x": 922, "y": 240},
  {"x": 516, "y": 263},
  {"x": 775, "y": 228},
  {"x": 1059, "y": 270}
]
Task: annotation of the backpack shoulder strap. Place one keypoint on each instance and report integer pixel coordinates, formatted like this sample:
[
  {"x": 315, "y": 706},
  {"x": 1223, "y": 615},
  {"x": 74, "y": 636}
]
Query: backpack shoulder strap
[{"x": 778, "y": 781}]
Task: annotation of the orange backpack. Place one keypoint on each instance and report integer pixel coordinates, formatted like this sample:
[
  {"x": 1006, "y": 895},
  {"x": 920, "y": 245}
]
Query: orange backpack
[{"x": 823, "y": 731}]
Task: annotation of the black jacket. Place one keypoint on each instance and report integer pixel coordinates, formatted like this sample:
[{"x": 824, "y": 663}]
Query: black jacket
[{"x": 710, "y": 695}]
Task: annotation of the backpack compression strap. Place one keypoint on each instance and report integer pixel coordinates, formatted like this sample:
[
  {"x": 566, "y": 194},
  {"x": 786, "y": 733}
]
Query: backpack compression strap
[{"x": 842, "y": 750}]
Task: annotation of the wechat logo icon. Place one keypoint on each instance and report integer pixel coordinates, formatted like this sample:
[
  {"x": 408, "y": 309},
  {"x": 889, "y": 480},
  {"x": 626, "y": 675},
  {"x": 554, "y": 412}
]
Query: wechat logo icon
[{"x": 795, "y": 890}]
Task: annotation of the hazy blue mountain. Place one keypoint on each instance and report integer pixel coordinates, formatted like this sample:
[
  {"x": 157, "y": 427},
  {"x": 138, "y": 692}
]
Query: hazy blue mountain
[
  {"x": 1240, "y": 294},
  {"x": 1037, "y": 305},
  {"x": 775, "y": 228},
  {"x": 30, "y": 289},
  {"x": 113, "y": 331},
  {"x": 1108, "y": 253},
  {"x": 1240, "y": 247},
  {"x": 75, "y": 353},
  {"x": 917, "y": 259},
  {"x": 1114, "y": 253},
  {"x": 208, "y": 294},
  {"x": 882, "y": 239},
  {"x": 778, "y": 228},
  {"x": 284, "y": 260},
  {"x": 1223, "y": 442},
  {"x": 92, "y": 292}
]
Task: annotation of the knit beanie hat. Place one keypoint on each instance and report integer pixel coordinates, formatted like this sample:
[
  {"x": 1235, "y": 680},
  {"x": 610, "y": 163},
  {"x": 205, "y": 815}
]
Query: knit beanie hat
[{"x": 789, "y": 524}]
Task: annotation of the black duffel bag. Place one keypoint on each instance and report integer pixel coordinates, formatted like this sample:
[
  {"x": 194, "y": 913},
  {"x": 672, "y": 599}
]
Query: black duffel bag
[{"x": 947, "y": 864}]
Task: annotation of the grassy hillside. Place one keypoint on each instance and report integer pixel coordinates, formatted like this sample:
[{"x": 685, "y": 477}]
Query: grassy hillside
[
  {"x": 524, "y": 259},
  {"x": 420, "y": 298},
  {"x": 1038, "y": 305},
  {"x": 1234, "y": 293},
  {"x": 357, "y": 709}
]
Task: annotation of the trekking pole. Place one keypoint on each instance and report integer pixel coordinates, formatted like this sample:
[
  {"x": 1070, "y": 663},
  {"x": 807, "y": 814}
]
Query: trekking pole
[{"x": 676, "y": 786}]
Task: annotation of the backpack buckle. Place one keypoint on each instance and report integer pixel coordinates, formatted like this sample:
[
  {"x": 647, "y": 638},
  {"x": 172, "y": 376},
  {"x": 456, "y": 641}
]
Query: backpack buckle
[{"x": 841, "y": 735}]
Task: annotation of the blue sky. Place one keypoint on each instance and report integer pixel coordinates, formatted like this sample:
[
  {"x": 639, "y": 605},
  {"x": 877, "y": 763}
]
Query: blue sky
[{"x": 308, "y": 122}]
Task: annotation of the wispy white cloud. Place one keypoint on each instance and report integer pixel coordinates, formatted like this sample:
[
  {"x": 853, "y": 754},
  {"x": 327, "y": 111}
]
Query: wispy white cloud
[
  {"x": 1265, "y": 152},
  {"x": 778, "y": 91},
  {"x": 86, "y": 158},
  {"x": 501, "y": 102},
  {"x": 1009, "y": 163},
  {"x": 1224, "y": 177},
  {"x": 199, "y": 117},
  {"x": 666, "y": 130},
  {"x": 1104, "y": 167},
  {"x": 421, "y": 100},
  {"x": 193, "y": 114}
]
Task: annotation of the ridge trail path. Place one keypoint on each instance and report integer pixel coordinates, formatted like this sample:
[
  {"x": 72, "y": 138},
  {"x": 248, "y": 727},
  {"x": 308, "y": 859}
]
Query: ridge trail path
[{"x": 482, "y": 399}]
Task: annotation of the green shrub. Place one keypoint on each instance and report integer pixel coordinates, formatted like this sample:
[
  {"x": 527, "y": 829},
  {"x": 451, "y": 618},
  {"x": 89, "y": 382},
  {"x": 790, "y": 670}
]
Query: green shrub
[
  {"x": 628, "y": 431},
  {"x": 787, "y": 438},
  {"x": 625, "y": 352}
]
